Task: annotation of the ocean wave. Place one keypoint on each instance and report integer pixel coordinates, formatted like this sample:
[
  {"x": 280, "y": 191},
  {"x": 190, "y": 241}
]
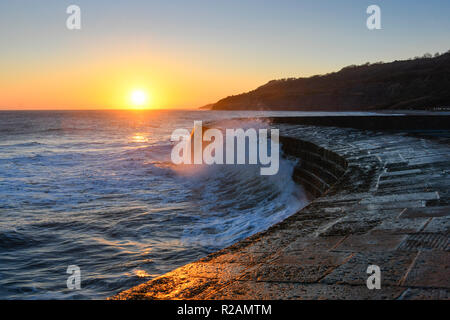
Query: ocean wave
[
  {"x": 236, "y": 202},
  {"x": 13, "y": 239},
  {"x": 22, "y": 145}
]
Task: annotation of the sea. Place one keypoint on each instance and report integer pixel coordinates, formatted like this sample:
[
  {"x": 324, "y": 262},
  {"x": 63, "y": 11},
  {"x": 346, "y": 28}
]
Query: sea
[{"x": 97, "y": 190}]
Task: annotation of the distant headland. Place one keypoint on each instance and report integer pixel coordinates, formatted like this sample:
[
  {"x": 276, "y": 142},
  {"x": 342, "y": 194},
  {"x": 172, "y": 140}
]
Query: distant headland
[{"x": 419, "y": 83}]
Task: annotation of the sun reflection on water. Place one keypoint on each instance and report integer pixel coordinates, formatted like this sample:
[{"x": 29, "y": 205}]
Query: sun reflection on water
[{"x": 139, "y": 138}]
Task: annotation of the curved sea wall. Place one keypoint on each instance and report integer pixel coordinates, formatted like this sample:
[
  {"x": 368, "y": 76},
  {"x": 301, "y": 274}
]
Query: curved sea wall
[
  {"x": 318, "y": 169},
  {"x": 381, "y": 198}
]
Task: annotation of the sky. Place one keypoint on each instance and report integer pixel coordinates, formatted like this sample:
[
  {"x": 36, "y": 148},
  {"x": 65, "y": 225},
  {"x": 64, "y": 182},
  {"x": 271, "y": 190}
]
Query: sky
[{"x": 185, "y": 54}]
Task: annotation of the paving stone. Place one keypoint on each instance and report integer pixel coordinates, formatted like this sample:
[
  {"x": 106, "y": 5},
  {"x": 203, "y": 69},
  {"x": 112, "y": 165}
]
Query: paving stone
[
  {"x": 397, "y": 205},
  {"x": 441, "y": 224},
  {"x": 401, "y": 226},
  {"x": 400, "y": 173},
  {"x": 223, "y": 271},
  {"x": 380, "y": 241},
  {"x": 397, "y": 165},
  {"x": 402, "y": 197},
  {"x": 319, "y": 244},
  {"x": 241, "y": 257},
  {"x": 425, "y": 241},
  {"x": 348, "y": 197},
  {"x": 431, "y": 269},
  {"x": 408, "y": 181},
  {"x": 430, "y": 160},
  {"x": 270, "y": 244},
  {"x": 413, "y": 188},
  {"x": 302, "y": 266},
  {"x": 425, "y": 294},
  {"x": 170, "y": 287},
  {"x": 250, "y": 290},
  {"x": 349, "y": 227},
  {"x": 427, "y": 212},
  {"x": 393, "y": 265}
]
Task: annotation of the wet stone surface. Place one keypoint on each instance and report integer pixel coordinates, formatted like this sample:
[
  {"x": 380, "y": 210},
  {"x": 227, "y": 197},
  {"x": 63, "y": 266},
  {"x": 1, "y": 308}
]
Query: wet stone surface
[{"x": 389, "y": 207}]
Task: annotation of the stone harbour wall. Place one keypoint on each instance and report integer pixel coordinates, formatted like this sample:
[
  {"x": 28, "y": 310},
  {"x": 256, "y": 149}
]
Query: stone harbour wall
[
  {"x": 318, "y": 167},
  {"x": 381, "y": 198}
]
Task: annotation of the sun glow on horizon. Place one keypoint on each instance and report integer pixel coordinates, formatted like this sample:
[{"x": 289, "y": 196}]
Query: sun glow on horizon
[{"x": 139, "y": 99}]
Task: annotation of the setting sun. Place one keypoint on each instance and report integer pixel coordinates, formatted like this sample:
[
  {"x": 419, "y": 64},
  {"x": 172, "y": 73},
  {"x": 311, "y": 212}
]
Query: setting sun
[{"x": 139, "y": 98}]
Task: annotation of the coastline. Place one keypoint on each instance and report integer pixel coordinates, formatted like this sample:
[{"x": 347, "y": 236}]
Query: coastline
[{"x": 381, "y": 198}]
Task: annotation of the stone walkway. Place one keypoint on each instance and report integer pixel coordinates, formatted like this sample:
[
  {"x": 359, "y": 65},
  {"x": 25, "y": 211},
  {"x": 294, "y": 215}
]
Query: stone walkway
[{"x": 390, "y": 208}]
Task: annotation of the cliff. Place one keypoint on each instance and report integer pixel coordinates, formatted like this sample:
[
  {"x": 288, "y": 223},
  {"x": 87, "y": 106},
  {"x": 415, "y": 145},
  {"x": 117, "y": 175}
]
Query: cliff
[{"x": 422, "y": 83}]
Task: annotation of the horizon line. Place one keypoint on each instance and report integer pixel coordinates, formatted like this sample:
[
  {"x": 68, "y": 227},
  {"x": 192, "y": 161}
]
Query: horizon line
[{"x": 106, "y": 109}]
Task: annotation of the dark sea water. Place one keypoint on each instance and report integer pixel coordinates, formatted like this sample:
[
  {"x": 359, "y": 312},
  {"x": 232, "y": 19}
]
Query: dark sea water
[{"x": 97, "y": 189}]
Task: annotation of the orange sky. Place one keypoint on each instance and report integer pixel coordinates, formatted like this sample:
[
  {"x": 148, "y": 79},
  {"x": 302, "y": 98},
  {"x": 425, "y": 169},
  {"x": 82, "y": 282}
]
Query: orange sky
[
  {"x": 107, "y": 81},
  {"x": 185, "y": 54}
]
